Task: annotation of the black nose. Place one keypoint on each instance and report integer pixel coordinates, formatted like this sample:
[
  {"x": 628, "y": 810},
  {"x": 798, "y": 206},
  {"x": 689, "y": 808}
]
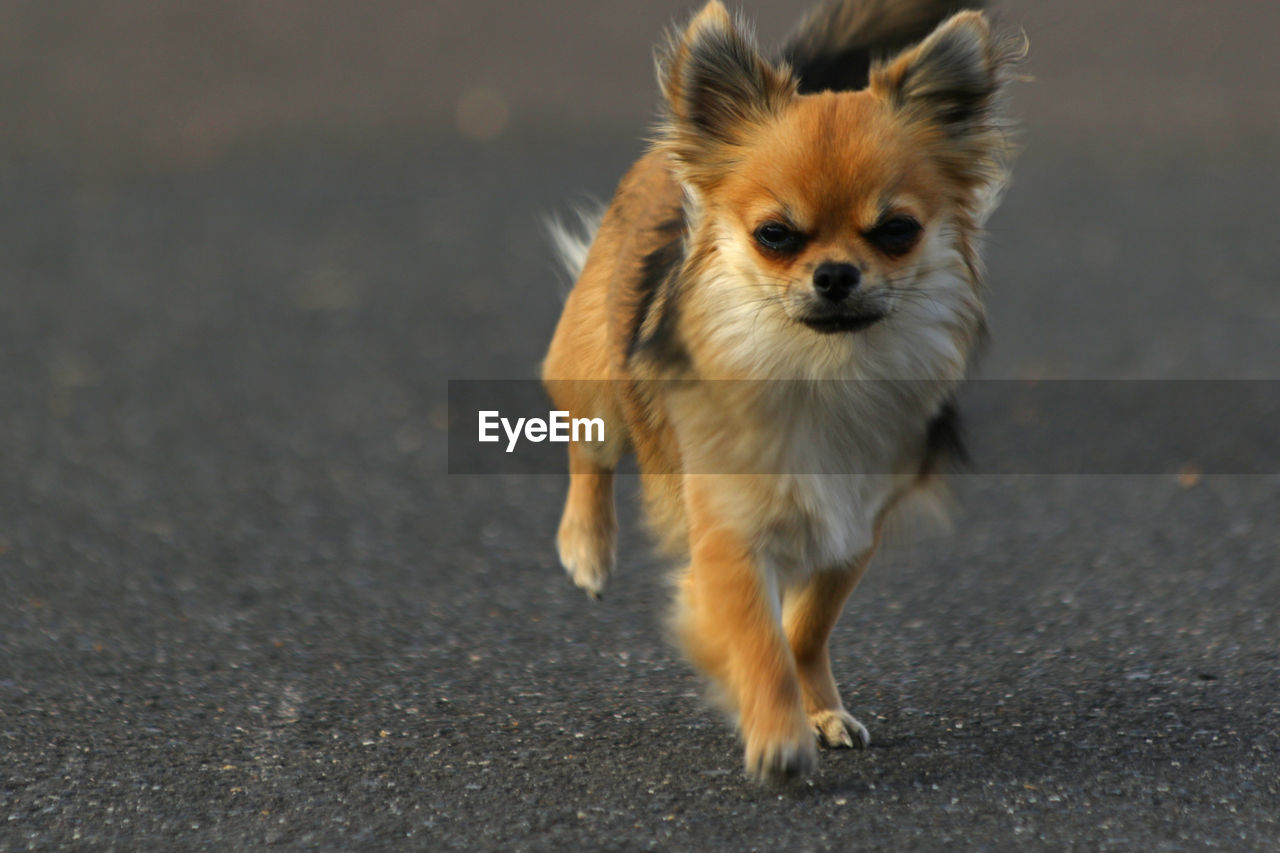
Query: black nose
[{"x": 835, "y": 281}]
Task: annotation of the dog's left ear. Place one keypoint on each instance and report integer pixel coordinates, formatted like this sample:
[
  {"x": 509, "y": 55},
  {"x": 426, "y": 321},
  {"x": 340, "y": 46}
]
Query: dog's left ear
[
  {"x": 951, "y": 86},
  {"x": 717, "y": 87}
]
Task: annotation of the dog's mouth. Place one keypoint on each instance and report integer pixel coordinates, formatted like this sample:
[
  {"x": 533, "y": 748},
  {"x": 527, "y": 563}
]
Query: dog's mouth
[{"x": 833, "y": 323}]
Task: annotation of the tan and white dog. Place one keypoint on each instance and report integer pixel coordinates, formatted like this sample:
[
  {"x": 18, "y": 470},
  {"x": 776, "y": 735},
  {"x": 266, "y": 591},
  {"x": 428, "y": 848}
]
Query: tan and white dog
[{"x": 773, "y": 314}]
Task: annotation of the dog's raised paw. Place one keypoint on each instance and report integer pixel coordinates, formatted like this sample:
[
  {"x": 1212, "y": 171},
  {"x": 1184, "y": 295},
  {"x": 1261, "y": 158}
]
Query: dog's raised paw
[{"x": 839, "y": 729}]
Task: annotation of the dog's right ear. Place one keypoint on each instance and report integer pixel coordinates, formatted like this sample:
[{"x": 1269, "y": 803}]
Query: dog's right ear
[{"x": 717, "y": 86}]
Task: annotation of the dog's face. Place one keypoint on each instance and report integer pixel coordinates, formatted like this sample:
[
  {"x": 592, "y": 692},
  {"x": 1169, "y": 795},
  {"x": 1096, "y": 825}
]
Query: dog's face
[
  {"x": 828, "y": 211},
  {"x": 816, "y": 218}
]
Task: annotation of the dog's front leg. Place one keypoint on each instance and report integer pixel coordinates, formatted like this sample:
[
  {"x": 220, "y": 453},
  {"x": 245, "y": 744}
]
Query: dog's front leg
[
  {"x": 729, "y": 623},
  {"x": 810, "y": 612}
]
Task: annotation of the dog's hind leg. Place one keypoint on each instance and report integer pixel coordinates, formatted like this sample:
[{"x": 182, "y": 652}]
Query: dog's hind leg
[{"x": 589, "y": 526}]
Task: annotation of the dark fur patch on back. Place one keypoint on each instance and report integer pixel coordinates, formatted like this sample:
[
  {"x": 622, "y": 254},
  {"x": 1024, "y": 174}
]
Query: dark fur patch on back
[
  {"x": 844, "y": 71},
  {"x": 837, "y": 44},
  {"x": 944, "y": 444},
  {"x": 653, "y": 334}
]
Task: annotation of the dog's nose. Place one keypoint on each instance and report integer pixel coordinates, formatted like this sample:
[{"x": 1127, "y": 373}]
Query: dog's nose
[{"x": 834, "y": 281}]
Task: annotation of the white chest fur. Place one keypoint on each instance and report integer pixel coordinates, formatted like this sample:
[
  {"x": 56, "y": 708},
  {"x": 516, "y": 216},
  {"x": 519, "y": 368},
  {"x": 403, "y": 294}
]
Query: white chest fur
[{"x": 804, "y": 469}]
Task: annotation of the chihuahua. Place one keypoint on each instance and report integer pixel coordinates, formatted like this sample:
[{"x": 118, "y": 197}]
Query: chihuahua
[{"x": 774, "y": 314}]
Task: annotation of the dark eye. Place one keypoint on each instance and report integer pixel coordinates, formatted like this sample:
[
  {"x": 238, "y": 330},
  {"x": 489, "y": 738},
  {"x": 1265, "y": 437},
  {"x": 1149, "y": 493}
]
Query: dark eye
[
  {"x": 777, "y": 237},
  {"x": 895, "y": 235}
]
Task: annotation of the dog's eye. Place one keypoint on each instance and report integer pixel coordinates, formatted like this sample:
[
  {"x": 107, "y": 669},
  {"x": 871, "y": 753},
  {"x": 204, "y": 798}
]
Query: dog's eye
[
  {"x": 895, "y": 235},
  {"x": 777, "y": 237}
]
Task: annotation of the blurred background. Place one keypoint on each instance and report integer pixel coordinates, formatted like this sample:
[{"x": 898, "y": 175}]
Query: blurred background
[
  {"x": 1149, "y": 133},
  {"x": 243, "y": 246}
]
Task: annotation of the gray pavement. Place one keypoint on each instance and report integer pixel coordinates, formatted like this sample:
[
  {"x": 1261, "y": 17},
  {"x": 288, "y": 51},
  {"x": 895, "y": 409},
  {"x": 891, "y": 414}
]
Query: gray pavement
[{"x": 242, "y": 604}]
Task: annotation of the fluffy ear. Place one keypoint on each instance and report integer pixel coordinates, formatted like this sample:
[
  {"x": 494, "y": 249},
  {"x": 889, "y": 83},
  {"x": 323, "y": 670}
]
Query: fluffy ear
[
  {"x": 717, "y": 86},
  {"x": 951, "y": 86}
]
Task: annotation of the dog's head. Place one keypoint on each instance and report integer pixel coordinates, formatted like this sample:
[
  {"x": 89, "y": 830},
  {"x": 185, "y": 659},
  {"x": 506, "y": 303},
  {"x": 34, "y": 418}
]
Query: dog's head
[{"x": 822, "y": 216}]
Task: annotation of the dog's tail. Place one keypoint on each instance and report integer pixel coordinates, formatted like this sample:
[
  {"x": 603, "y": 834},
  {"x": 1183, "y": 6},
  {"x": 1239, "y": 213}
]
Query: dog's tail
[
  {"x": 572, "y": 240},
  {"x": 835, "y": 44}
]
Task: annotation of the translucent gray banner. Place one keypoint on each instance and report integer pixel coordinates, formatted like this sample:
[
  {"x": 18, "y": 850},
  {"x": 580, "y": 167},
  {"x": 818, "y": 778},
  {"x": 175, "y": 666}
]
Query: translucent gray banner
[{"x": 1008, "y": 427}]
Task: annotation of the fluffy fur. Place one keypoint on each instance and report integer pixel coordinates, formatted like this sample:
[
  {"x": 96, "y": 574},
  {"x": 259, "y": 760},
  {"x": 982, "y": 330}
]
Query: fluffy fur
[{"x": 773, "y": 314}]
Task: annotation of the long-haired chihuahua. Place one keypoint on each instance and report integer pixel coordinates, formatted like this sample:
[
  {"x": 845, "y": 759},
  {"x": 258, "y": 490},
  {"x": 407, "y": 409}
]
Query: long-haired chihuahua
[{"x": 774, "y": 314}]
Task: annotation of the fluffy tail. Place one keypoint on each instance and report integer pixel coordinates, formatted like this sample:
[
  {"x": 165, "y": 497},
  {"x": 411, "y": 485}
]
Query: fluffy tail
[
  {"x": 835, "y": 44},
  {"x": 572, "y": 240}
]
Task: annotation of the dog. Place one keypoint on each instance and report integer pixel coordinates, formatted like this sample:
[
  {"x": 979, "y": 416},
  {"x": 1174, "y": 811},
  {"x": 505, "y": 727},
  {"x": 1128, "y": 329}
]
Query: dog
[{"x": 774, "y": 314}]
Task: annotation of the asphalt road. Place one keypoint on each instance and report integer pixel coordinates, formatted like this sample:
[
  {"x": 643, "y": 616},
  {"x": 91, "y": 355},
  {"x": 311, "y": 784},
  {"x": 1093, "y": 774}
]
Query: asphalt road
[{"x": 242, "y": 604}]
